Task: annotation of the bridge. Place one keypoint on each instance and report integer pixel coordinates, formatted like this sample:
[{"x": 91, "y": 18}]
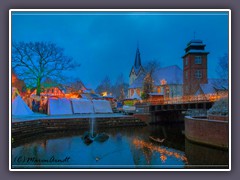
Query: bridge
[
  {"x": 182, "y": 107},
  {"x": 176, "y": 108}
]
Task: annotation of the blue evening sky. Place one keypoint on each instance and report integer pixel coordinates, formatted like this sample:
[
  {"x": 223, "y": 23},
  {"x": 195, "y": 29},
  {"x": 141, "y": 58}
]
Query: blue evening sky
[{"x": 105, "y": 43}]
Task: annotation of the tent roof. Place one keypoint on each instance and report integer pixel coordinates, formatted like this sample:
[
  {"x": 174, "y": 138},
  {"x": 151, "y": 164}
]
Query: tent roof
[{"x": 19, "y": 107}]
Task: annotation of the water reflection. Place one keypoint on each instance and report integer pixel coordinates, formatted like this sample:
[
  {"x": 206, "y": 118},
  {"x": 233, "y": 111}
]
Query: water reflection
[
  {"x": 200, "y": 156},
  {"x": 125, "y": 148},
  {"x": 168, "y": 156}
]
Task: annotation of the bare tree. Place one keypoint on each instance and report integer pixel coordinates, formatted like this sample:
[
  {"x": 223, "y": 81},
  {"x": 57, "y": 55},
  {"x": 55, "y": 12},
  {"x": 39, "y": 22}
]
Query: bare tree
[
  {"x": 120, "y": 87},
  {"x": 35, "y": 61},
  {"x": 105, "y": 85},
  {"x": 151, "y": 66},
  {"x": 222, "y": 70},
  {"x": 148, "y": 83}
]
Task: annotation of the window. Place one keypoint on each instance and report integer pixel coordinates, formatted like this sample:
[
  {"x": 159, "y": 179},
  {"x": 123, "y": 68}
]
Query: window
[
  {"x": 198, "y": 74},
  {"x": 186, "y": 61},
  {"x": 198, "y": 59},
  {"x": 186, "y": 75}
]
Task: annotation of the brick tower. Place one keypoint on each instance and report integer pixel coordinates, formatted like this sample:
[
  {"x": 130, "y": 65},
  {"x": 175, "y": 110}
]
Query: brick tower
[{"x": 194, "y": 67}]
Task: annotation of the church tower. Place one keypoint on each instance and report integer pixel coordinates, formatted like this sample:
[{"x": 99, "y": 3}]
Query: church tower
[
  {"x": 137, "y": 68},
  {"x": 194, "y": 67}
]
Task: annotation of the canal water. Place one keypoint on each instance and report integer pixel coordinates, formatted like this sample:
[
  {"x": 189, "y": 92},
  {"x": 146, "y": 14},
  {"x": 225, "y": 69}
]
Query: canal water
[{"x": 128, "y": 147}]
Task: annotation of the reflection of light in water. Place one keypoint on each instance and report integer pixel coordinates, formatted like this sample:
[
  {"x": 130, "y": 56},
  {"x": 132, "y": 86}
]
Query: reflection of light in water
[
  {"x": 99, "y": 157},
  {"x": 163, "y": 151}
]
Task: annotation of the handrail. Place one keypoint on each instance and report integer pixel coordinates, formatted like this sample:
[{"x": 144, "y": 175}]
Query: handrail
[{"x": 186, "y": 99}]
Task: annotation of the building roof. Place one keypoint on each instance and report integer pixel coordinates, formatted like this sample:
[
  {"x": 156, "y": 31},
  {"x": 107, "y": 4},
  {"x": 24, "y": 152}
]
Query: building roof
[
  {"x": 137, "y": 67},
  {"x": 213, "y": 86},
  {"x": 206, "y": 89},
  {"x": 219, "y": 84},
  {"x": 138, "y": 81},
  {"x": 195, "y": 46},
  {"x": 171, "y": 74},
  {"x": 90, "y": 96}
]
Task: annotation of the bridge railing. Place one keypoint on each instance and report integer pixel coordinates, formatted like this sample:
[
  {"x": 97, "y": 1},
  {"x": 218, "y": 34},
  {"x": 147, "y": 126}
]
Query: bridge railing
[{"x": 188, "y": 99}]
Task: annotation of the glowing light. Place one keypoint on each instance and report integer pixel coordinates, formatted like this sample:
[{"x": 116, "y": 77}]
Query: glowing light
[
  {"x": 163, "y": 82},
  {"x": 186, "y": 99},
  {"x": 163, "y": 151},
  {"x": 104, "y": 93}
]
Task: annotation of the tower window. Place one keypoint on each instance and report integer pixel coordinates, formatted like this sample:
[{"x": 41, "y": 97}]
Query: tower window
[
  {"x": 186, "y": 75},
  {"x": 198, "y": 59},
  {"x": 186, "y": 61},
  {"x": 198, "y": 74}
]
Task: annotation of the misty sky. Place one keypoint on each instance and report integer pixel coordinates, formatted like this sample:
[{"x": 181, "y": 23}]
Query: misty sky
[{"x": 105, "y": 43}]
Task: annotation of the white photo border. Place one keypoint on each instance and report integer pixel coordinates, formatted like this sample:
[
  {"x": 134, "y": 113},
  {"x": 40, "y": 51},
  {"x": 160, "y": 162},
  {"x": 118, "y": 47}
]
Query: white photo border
[{"x": 115, "y": 10}]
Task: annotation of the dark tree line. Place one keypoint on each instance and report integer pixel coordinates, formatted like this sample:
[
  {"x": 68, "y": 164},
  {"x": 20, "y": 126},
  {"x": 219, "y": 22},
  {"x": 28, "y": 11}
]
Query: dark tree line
[{"x": 118, "y": 89}]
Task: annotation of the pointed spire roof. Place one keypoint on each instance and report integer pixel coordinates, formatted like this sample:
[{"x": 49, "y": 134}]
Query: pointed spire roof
[
  {"x": 137, "y": 62},
  {"x": 137, "y": 67}
]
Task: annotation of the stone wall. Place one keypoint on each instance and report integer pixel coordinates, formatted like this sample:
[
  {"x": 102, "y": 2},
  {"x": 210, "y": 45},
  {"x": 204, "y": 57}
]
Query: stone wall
[{"x": 206, "y": 131}]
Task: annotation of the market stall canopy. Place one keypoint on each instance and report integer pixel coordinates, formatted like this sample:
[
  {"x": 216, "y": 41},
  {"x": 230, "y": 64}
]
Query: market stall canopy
[
  {"x": 19, "y": 107},
  {"x": 102, "y": 106},
  {"x": 82, "y": 106},
  {"x": 61, "y": 106}
]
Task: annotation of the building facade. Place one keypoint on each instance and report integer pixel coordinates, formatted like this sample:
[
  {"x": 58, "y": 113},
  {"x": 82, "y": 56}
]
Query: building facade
[
  {"x": 194, "y": 67},
  {"x": 167, "y": 81}
]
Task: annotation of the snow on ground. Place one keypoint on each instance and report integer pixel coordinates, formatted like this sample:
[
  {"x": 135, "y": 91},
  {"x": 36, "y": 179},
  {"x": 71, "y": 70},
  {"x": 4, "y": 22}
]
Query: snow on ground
[{"x": 37, "y": 116}]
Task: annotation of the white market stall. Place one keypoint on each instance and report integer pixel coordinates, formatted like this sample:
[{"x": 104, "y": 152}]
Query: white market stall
[
  {"x": 82, "y": 106},
  {"x": 61, "y": 106},
  {"x": 102, "y": 106},
  {"x": 19, "y": 107}
]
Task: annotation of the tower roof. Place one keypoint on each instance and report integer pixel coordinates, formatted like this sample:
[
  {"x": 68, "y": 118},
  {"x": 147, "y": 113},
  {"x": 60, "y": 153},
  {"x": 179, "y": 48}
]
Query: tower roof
[
  {"x": 195, "y": 46},
  {"x": 137, "y": 63}
]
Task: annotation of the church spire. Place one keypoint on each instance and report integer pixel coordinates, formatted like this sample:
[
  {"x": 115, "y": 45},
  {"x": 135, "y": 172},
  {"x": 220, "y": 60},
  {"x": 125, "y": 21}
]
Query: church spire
[
  {"x": 137, "y": 68},
  {"x": 137, "y": 62}
]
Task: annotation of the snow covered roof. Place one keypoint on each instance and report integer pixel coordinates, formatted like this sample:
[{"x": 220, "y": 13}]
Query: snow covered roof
[
  {"x": 195, "y": 42},
  {"x": 171, "y": 74},
  {"x": 195, "y": 46},
  {"x": 219, "y": 84},
  {"x": 206, "y": 89},
  {"x": 90, "y": 96},
  {"x": 213, "y": 86},
  {"x": 138, "y": 81},
  {"x": 195, "y": 51}
]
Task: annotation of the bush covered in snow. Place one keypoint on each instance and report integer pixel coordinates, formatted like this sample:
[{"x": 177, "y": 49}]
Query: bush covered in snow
[{"x": 219, "y": 108}]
